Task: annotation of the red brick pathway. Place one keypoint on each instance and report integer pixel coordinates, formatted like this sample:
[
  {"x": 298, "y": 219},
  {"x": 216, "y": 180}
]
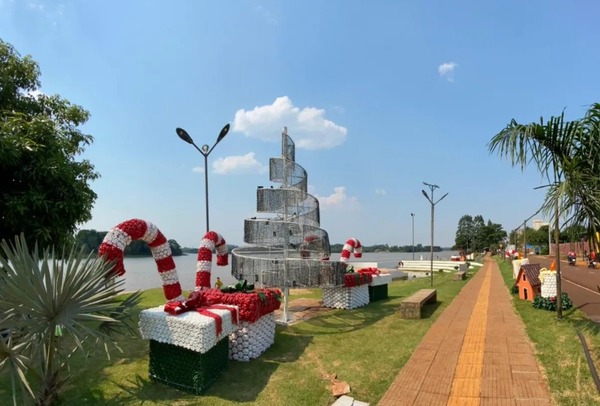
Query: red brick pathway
[{"x": 476, "y": 353}]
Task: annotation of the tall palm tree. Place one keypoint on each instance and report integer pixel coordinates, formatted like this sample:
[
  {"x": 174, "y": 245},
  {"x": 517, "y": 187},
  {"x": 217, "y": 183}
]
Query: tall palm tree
[
  {"x": 50, "y": 307},
  {"x": 565, "y": 153}
]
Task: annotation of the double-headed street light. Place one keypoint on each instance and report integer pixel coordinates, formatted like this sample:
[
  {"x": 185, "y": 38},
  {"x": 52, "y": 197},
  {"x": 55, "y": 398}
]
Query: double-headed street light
[
  {"x": 205, "y": 151},
  {"x": 432, "y": 188}
]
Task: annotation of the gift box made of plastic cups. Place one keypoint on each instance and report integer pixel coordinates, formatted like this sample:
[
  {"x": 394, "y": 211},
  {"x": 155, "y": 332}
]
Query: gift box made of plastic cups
[
  {"x": 341, "y": 297},
  {"x": 378, "y": 288},
  {"x": 187, "y": 351},
  {"x": 250, "y": 340}
]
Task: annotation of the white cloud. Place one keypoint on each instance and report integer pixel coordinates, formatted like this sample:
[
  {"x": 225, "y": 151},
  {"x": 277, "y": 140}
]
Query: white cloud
[
  {"x": 446, "y": 70},
  {"x": 337, "y": 198},
  {"x": 380, "y": 192},
  {"x": 308, "y": 126},
  {"x": 198, "y": 169},
  {"x": 239, "y": 164},
  {"x": 36, "y": 6},
  {"x": 267, "y": 15}
]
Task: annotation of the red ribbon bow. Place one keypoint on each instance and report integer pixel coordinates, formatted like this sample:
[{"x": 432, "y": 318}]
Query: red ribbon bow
[{"x": 199, "y": 302}]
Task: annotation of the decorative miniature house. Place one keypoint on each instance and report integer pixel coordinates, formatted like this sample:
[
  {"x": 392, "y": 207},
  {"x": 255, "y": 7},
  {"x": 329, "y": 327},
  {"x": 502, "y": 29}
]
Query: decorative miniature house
[{"x": 528, "y": 281}]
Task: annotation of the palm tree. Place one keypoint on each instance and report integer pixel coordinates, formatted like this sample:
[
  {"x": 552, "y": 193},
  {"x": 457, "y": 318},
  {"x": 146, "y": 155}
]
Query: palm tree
[
  {"x": 566, "y": 154},
  {"x": 51, "y": 308}
]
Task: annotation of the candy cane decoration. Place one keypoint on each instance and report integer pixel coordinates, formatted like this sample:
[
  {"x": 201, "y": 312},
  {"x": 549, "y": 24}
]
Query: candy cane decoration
[
  {"x": 210, "y": 242},
  {"x": 121, "y": 236},
  {"x": 354, "y": 245}
]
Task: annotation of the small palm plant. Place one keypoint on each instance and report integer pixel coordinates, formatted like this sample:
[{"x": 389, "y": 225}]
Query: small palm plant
[{"x": 50, "y": 308}]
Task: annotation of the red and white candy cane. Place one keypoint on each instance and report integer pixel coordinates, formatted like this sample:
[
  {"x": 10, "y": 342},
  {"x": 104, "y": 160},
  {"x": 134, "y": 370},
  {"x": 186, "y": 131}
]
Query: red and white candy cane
[
  {"x": 351, "y": 245},
  {"x": 121, "y": 236},
  {"x": 210, "y": 242}
]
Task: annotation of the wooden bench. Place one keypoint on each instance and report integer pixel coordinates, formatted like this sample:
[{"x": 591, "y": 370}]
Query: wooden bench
[
  {"x": 460, "y": 275},
  {"x": 410, "y": 307}
]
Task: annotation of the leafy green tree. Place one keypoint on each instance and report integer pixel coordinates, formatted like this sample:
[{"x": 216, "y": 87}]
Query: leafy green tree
[
  {"x": 175, "y": 248},
  {"x": 464, "y": 233},
  {"x": 89, "y": 240},
  {"x": 478, "y": 231},
  {"x": 57, "y": 315},
  {"x": 491, "y": 235},
  {"x": 473, "y": 234},
  {"x": 45, "y": 190}
]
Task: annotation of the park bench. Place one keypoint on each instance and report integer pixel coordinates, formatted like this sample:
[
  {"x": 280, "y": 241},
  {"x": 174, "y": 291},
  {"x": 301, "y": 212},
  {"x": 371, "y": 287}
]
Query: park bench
[
  {"x": 410, "y": 307},
  {"x": 460, "y": 275}
]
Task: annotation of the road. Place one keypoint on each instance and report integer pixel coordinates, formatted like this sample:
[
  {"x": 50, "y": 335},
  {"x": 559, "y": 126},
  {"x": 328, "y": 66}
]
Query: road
[{"x": 579, "y": 282}]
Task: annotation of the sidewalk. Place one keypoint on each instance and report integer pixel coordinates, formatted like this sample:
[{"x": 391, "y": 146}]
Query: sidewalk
[{"x": 476, "y": 353}]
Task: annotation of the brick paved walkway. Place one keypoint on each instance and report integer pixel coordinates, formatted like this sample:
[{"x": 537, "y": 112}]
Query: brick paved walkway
[{"x": 476, "y": 353}]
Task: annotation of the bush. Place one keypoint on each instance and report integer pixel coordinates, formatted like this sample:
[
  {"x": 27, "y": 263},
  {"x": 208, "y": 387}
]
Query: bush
[
  {"x": 515, "y": 290},
  {"x": 549, "y": 303}
]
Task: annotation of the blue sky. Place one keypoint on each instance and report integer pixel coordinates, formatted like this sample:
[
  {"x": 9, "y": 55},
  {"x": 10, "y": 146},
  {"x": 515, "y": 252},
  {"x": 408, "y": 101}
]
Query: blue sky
[{"x": 383, "y": 95}]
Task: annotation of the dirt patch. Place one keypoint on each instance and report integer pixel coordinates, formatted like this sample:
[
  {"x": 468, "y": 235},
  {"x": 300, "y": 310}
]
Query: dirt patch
[
  {"x": 303, "y": 309},
  {"x": 300, "y": 291}
]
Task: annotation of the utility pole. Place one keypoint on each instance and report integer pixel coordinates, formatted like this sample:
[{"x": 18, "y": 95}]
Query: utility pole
[
  {"x": 559, "y": 314},
  {"x": 524, "y": 243}
]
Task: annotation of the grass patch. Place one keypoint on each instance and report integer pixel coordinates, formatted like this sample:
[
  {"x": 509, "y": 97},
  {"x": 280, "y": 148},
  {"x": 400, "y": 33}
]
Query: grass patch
[
  {"x": 559, "y": 349},
  {"x": 366, "y": 347}
]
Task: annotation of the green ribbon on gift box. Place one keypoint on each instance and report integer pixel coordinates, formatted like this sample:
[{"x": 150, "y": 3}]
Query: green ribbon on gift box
[{"x": 241, "y": 287}]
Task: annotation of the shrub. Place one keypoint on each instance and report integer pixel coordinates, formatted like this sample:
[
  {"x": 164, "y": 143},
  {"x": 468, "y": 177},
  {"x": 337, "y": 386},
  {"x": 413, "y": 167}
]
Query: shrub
[
  {"x": 549, "y": 303},
  {"x": 515, "y": 290},
  {"x": 46, "y": 315}
]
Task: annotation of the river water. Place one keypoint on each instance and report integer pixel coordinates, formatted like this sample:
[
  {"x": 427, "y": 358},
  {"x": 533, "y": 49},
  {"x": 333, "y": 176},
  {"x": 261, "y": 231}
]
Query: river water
[{"x": 141, "y": 272}]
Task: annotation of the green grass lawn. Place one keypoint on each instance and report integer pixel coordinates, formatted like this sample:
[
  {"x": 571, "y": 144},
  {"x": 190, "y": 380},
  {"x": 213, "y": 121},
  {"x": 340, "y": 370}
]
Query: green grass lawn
[
  {"x": 365, "y": 347},
  {"x": 559, "y": 349}
]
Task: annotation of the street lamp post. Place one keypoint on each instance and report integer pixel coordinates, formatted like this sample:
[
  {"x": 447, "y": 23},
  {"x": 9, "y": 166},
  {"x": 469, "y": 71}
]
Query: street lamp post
[
  {"x": 433, "y": 203},
  {"x": 413, "y": 234},
  {"x": 524, "y": 239},
  {"x": 205, "y": 151}
]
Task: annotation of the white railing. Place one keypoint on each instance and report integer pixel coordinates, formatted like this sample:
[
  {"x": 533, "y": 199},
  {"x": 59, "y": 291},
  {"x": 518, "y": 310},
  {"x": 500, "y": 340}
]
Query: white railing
[{"x": 425, "y": 265}]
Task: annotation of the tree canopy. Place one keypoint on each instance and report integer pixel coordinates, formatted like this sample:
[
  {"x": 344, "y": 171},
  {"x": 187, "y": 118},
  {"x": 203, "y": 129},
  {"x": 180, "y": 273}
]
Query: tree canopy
[
  {"x": 45, "y": 188},
  {"x": 473, "y": 234}
]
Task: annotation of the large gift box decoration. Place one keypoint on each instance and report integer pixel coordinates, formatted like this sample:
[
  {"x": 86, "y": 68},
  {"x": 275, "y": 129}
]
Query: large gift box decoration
[
  {"x": 355, "y": 292},
  {"x": 188, "y": 350},
  {"x": 378, "y": 288},
  {"x": 250, "y": 340},
  {"x": 255, "y": 332}
]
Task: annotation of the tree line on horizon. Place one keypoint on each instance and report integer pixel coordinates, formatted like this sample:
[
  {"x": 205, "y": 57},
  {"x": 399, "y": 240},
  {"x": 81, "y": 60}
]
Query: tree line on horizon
[{"x": 89, "y": 241}]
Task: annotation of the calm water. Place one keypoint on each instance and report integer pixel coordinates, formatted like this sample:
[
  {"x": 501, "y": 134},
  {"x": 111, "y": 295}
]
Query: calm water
[{"x": 141, "y": 273}]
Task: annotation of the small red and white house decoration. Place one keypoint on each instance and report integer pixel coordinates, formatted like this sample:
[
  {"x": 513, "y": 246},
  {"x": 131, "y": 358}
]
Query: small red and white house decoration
[
  {"x": 352, "y": 245},
  {"x": 210, "y": 242},
  {"x": 123, "y": 234}
]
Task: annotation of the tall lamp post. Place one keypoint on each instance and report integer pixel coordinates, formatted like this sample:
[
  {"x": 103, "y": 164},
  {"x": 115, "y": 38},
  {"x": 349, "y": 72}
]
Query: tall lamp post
[
  {"x": 413, "y": 234},
  {"x": 205, "y": 151},
  {"x": 433, "y": 203}
]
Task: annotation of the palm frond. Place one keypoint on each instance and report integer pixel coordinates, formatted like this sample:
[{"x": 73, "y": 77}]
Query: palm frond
[{"x": 42, "y": 295}]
